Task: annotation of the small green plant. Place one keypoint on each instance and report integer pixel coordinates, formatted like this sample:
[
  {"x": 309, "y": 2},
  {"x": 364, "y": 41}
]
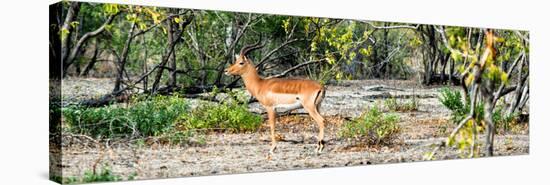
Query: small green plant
[
  {"x": 105, "y": 175},
  {"x": 373, "y": 126},
  {"x": 393, "y": 104},
  {"x": 452, "y": 99},
  {"x": 132, "y": 176},
  {"x": 178, "y": 136},
  {"x": 63, "y": 180},
  {"x": 504, "y": 122},
  {"x": 230, "y": 116}
]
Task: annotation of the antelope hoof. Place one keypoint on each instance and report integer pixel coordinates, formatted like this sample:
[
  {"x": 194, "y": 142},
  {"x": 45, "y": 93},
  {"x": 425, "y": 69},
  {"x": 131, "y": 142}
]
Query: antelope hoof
[
  {"x": 272, "y": 150},
  {"x": 320, "y": 147}
]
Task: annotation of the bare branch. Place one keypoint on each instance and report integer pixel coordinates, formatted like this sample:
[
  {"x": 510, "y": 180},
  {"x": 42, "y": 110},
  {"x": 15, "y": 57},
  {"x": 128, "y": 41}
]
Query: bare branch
[
  {"x": 499, "y": 92},
  {"x": 266, "y": 57},
  {"x": 85, "y": 37},
  {"x": 524, "y": 37},
  {"x": 162, "y": 21},
  {"x": 441, "y": 31},
  {"x": 405, "y": 26},
  {"x": 294, "y": 68}
]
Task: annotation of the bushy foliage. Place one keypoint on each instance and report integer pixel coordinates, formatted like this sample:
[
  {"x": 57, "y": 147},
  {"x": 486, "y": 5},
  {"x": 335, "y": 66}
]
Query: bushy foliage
[
  {"x": 373, "y": 126},
  {"x": 230, "y": 116},
  {"x": 148, "y": 117},
  {"x": 168, "y": 117},
  {"x": 452, "y": 100}
]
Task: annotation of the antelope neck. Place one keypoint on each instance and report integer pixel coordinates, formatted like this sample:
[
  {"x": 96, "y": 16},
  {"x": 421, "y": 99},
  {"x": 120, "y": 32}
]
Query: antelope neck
[{"x": 251, "y": 81}]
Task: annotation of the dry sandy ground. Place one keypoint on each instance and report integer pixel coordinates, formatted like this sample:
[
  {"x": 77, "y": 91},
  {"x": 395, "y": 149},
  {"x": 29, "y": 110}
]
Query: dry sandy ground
[{"x": 241, "y": 153}]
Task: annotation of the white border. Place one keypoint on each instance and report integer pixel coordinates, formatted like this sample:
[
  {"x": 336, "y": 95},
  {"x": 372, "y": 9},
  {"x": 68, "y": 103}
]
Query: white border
[{"x": 23, "y": 37}]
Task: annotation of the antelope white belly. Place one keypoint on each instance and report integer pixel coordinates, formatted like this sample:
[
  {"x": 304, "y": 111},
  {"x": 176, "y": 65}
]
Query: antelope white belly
[
  {"x": 288, "y": 107},
  {"x": 286, "y": 101}
]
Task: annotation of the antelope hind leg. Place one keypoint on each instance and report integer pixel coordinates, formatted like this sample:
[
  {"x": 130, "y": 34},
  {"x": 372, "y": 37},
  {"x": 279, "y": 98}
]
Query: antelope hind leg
[
  {"x": 271, "y": 114},
  {"x": 321, "y": 123}
]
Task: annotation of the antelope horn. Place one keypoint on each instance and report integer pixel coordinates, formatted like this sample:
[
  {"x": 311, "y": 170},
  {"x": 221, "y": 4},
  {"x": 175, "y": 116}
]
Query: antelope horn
[{"x": 248, "y": 48}]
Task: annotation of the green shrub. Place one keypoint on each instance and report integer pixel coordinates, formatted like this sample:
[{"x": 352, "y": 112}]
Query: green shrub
[
  {"x": 105, "y": 175},
  {"x": 227, "y": 116},
  {"x": 504, "y": 122},
  {"x": 452, "y": 100},
  {"x": 393, "y": 105},
  {"x": 167, "y": 117},
  {"x": 373, "y": 126},
  {"x": 149, "y": 117}
]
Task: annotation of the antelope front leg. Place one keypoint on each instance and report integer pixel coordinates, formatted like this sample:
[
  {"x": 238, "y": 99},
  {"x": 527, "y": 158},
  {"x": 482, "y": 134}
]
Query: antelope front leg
[{"x": 271, "y": 119}]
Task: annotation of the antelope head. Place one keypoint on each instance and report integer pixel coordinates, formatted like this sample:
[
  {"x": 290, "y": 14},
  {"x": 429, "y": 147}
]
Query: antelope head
[
  {"x": 242, "y": 64},
  {"x": 240, "y": 67}
]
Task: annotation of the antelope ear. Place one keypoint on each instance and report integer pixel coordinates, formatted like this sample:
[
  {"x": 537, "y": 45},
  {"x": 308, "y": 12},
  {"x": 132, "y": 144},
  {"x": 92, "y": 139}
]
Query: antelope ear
[{"x": 237, "y": 56}]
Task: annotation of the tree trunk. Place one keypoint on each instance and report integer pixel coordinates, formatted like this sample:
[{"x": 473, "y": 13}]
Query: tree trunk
[
  {"x": 444, "y": 62},
  {"x": 124, "y": 57},
  {"x": 76, "y": 49},
  {"x": 490, "y": 127},
  {"x": 56, "y": 11},
  {"x": 387, "y": 64},
  {"x": 174, "y": 36},
  {"x": 432, "y": 54},
  {"x": 92, "y": 62},
  {"x": 144, "y": 65},
  {"x": 72, "y": 13},
  {"x": 172, "y": 58},
  {"x": 451, "y": 69},
  {"x": 518, "y": 93}
]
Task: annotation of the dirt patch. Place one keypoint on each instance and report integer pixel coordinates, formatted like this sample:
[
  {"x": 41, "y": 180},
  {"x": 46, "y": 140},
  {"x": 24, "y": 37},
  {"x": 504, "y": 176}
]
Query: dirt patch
[
  {"x": 426, "y": 128},
  {"x": 240, "y": 153}
]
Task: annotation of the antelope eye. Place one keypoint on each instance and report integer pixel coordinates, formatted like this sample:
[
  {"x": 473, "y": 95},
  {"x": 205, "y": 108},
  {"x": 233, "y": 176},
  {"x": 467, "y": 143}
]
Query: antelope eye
[{"x": 241, "y": 63}]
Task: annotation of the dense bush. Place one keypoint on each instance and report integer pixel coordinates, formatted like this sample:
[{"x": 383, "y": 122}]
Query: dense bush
[
  {"x": 143, "y": 117},
  {"x": 373, "y": 126},
  {"x": 452, "y": 99},
  {"x": 230, "y": 116},
  {"x": 168, "y": 117}
]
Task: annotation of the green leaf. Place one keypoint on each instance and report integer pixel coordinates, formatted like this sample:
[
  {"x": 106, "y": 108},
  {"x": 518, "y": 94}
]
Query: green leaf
[
  {"x": 177, "y": 20},
  {"x": 74, "y": 24},
  {"x": 64, "y": 33}
]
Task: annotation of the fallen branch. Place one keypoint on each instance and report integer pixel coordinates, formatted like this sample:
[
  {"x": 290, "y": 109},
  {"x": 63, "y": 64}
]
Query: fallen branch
[{"x": 380, "y": 87}]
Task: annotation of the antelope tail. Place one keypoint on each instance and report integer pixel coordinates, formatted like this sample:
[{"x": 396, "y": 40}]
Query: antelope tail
[{"x": 319, "y": 98}]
